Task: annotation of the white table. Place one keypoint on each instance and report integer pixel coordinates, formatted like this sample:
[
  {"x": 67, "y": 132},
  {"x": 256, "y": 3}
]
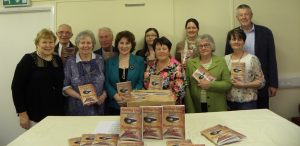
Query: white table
[{"x": 262, "y": 128}]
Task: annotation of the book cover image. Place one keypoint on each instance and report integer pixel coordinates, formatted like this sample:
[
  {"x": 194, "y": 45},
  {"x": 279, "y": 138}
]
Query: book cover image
[
  {"x": 152, "y": 122},
  {"x": 131, "y": 124},
  {"x": 202, "y": 74},
  {"x": 238, "y": 71},
  {"x": 74, "y": 141},
  {"x": 87, "y": 139},
  {"x": 156, "y": 82},
  {"x": 88, "y": 94},
  {"x": 221, "y": 135},
  {"x": 124, "y": 89},
  {"x": 173, "y": 122},
  {"x": 178, "y": 142},
  {"x": 130, "y": 143},
  {"x": 106, "y": 140},
  {"x": 186, "y": 54}
]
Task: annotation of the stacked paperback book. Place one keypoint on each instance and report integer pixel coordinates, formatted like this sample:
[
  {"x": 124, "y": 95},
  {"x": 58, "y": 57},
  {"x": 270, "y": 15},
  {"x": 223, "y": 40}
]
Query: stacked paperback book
[{"x": 221, "y": 135}]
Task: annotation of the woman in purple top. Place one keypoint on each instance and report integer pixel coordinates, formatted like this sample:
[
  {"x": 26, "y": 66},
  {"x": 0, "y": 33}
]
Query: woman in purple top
[{"x": 84, "y": 68}]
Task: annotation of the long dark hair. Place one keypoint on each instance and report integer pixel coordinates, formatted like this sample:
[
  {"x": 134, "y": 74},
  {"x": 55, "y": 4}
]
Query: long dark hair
[{"x": 145, "y": 47}]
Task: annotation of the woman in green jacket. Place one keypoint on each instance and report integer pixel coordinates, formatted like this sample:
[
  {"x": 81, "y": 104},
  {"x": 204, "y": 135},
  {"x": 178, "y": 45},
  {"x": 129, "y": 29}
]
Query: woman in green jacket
[{"x": 207, "y": 87}]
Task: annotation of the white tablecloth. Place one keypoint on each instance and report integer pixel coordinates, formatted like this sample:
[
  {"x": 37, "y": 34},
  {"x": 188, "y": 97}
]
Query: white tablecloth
[{"x": 262, "y": 128}]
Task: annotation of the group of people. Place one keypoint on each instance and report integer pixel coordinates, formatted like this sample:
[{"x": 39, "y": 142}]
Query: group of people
[{"x": 46, "y": 82}]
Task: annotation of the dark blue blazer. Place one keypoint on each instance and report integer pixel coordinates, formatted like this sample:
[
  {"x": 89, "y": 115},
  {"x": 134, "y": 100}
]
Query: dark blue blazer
[
  {"x": 135, "y": 75},
  {"x": 265, "y": 51}
]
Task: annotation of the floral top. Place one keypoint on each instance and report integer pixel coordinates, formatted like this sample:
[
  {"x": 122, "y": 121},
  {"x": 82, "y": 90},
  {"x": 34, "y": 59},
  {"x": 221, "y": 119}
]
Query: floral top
[
  {"x": 252, "y": 72},
  {"x": 173, "y": 78},
  {"x": 78, "y": 72}
]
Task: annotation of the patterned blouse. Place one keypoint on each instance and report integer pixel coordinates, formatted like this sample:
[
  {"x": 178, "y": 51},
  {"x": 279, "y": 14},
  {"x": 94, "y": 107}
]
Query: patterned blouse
[
  {"x": 173, "y": 78},
  {"x": 252, "y": 72},
  {"x": 78, "y": 72}
]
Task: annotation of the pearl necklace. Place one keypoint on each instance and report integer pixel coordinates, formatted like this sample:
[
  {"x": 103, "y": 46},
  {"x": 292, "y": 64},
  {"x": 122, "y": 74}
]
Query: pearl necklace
[{"x": 47, "y": 58}]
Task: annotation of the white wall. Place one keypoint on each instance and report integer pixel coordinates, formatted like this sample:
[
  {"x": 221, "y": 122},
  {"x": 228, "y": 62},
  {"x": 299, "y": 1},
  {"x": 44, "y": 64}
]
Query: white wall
[
  {"x": 215, "y": 16},
  {"x": 17, "y": 34}
]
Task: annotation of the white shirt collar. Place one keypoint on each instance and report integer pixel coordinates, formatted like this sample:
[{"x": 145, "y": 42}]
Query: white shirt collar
[{"x": 78, "y": 59}]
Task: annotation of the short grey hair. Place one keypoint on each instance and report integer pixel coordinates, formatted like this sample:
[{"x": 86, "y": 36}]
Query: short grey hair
[
  {"x": 107, "y": 29},
  {"x": 209, "y": 38},
  {"x": 83, "y": 34}
]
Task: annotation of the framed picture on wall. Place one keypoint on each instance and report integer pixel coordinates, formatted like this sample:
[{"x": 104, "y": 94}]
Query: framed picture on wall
[{"x": 16, "y": 3}]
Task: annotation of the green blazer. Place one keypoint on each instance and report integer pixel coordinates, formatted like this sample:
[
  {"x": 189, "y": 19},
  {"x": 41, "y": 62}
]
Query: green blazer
[
  {"x": 135, "y": 75},
  {"x": 216, "y": 93}
]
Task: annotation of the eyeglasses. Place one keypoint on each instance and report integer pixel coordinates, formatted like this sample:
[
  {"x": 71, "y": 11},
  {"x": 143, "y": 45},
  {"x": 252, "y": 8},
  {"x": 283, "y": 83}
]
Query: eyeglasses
[
  {"x": 204, "y": 46},
  {"x": 151, "y": 35},
  {"x": 64, "y": 33}
]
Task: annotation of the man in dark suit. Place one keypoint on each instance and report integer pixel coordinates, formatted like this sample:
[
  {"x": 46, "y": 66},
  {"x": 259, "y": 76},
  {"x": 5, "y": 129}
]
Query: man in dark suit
[
  {"x": 107, "y": 50},
  {"x": 64, "y": 34},
  {"x": 259, "y": 42}
]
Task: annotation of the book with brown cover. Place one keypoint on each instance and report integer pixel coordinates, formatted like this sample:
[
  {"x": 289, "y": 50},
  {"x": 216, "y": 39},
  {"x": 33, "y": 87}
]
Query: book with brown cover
[
  {"x": 177, "y": 142},
  {"x": 131, "y": 124},
  {"x": 221, "y": 135},
  {"x": 87, "y": 139},
  {"x": 202, "y": 74},
  {"x": 238, "y": 71},
  {"x": 155, "y": 83},
  {"x": 106, "y": 140},
  {"x": 88, "y": 93},
  {"x": 74, "y": 141},
  {"x": 130, "y": 143},
  {"x": 173, "y": 122},
  {"x": 152, "y": 122},
  {"x": 124, "y": 89}
]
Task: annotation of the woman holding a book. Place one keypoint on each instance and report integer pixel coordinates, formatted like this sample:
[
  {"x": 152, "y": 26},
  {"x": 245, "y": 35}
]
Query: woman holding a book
[
  {"x": 187, "y": 48},
  {"x": 148, "y": 52},
  {"x": 208, "y": 79},
  {"x": 246, "y": 74},
  {"x": 37, "y": 82},
  {"x": 166, "y": 68},
  {"x": 84, "y": 78},
  {"x": 123, "y": 71}
]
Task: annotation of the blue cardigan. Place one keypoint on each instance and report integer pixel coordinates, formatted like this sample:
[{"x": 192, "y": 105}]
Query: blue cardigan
[{"x": 135, "y": 75}]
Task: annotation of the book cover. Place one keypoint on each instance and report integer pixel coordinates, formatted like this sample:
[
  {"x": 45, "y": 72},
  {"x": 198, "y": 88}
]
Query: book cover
[
  {"x": 221, "y": 135},
  {"x": 130, "y": 143},
  {"x": 151, "y": 98},
  {"x": 87, "y": 139},
  {"x": 152, "y": 122},
  {"x": 173, "y": 122},
  {"x": 74, "y": 141},
  {"x": 190, "y": 144},
  {"x": 177, "y": 142},
  {"x": 124, "y": 89},
  {"x": 87, "y": 93},
  {"x": 67, "y": 52},
  {"x": 186, "y": 54},
  {"x": 156, "y": 82},
  {"x": 238, "y": 71},
  {"x": 131, "y": 124},
  {"x": 202, "y": 74},
  {"x": 106, "y": 140}
]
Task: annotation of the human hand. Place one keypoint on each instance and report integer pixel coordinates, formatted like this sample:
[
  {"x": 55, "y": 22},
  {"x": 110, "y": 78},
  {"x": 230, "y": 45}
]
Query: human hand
[
  {"x": 204, "y": 84},
  {"x": 24, "y": 120},
  {"x": 272, "y": 91},
  {"x": 120, "y": 100},
  {"x": 237, "y": 83},
  {"x": 101, "y": 98}
]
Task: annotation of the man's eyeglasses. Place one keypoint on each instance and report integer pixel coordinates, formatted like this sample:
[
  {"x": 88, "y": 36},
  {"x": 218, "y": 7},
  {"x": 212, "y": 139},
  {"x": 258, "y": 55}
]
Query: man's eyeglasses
[{"x": 64, "y": 33}]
